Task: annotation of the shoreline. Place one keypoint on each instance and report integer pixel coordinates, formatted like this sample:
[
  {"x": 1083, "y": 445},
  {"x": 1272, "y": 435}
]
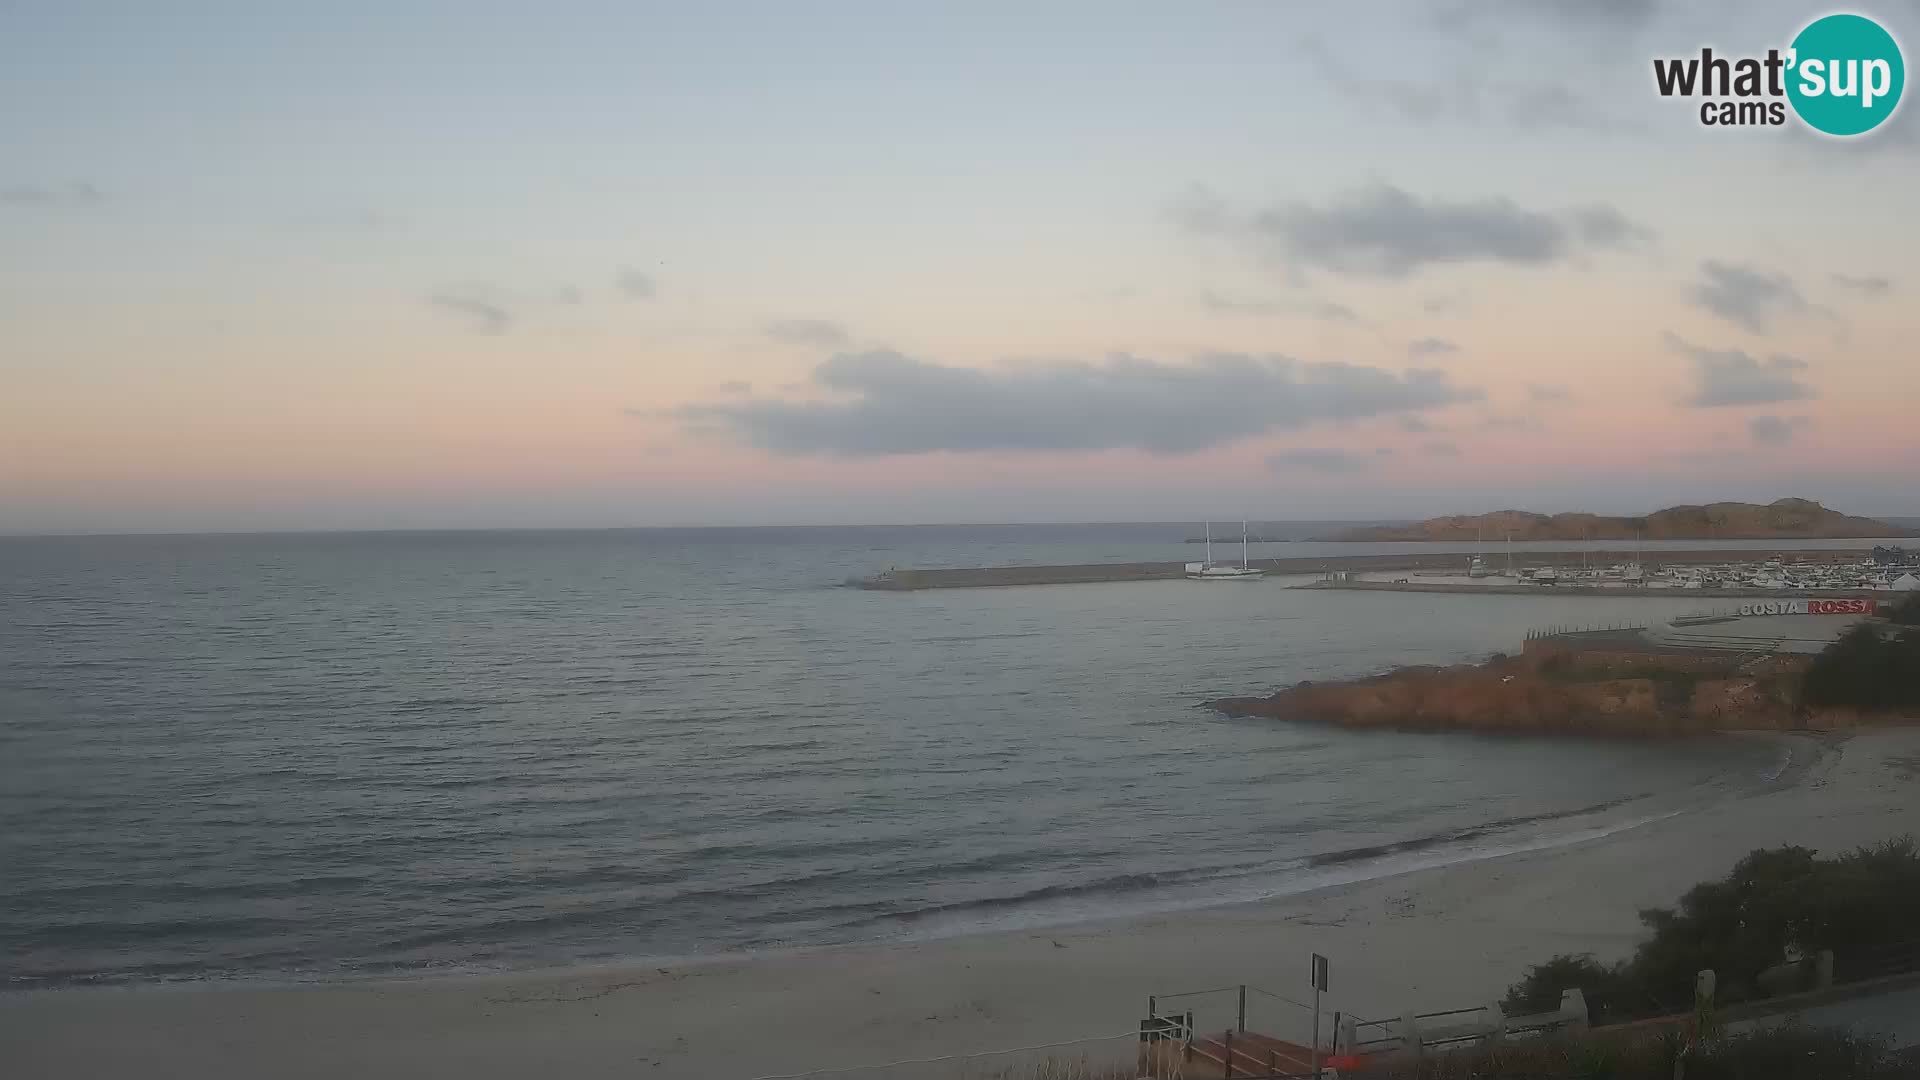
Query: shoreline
[
  {"x": 1382, "y": 860},
  {"x": 458, "y": 974},
  {"x": 1438, "y": 937}
]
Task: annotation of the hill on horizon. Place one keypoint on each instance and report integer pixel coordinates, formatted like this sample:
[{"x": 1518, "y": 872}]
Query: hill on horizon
[{"x": 1782, "y": 518}]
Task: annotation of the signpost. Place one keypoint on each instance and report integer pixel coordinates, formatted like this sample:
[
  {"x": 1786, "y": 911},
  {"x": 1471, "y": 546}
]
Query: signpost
[
  {"x": 1319, "y": 977},
  {"x": 1844, "y": 606}
]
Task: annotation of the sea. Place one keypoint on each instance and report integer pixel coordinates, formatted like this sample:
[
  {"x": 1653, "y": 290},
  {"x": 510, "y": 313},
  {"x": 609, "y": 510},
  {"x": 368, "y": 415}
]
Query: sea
[{"x": 343, "y": 756}]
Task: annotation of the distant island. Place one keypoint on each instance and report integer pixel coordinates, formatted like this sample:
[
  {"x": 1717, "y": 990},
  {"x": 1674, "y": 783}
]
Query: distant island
[{"x": 1780, "y": 519}]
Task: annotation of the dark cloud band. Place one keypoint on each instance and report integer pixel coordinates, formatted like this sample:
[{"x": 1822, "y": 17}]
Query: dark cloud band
[{"x": 886, "y": 403}]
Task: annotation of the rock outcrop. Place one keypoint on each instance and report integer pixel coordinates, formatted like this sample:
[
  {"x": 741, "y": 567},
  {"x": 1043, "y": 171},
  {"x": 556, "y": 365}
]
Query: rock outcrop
[
  {"x": 1550, "y": 691},
  {"x": 1781, "y": 519}
]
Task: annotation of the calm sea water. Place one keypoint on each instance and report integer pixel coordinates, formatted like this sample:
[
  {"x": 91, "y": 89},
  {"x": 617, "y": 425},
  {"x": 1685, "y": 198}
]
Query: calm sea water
[{"x": 329, "y": 756}]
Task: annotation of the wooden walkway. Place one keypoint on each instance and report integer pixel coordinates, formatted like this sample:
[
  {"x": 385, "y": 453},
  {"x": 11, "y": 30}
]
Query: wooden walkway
[{"x": 1244, "y": 1054}]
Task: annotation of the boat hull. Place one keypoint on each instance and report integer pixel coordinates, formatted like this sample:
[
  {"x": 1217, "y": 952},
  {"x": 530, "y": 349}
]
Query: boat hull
[{"x": 1226, "y": 574}]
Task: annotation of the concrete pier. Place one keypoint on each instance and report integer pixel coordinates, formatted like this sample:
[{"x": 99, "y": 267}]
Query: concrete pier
[
  {"x": 975, "y": 577},
  {"x": 1511, "y": 589}
]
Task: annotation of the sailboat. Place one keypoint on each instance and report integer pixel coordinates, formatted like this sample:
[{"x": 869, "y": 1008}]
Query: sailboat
[{"x": 1212, "y": 571}]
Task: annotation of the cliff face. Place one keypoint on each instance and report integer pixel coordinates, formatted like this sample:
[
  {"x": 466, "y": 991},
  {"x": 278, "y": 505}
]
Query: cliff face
[
  {"x": 1783, "y": 518},
  {"x": 1547, "y": 691}
]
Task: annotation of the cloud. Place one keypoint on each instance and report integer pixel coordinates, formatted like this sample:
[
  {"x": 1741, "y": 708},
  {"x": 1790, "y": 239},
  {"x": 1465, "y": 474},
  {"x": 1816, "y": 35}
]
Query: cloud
[
  {"x": 1539, "y": 106},
  {"x": 485, "y": 314},
  {"x": 1332, "y": 462},
  {"x": 1431, "y": 346},
  {"x": 1871, "y": 285},
  {"x": 812, "y": 333},
  {"x": 1383, "y": 231},
  {"x": 569, "y": 294},
  {"x": 1510, "y": 422},
  {"x": 1440, "y": 448},
  {"x": 1733, "y": 377},
  {"x": 1569, "y": 15},
  {"x": 1544, "y": 393},
  {"x": 1704, "y": 457},
  {"x": 1418, "y": 102},
  {"x": 1414, "y": 423},
  {"x": 1774, "y": 430},
  {"x": 885, "y": 403},
  {"x": 1601, "y": 226},
  {"x": 737, "y": 387},
  {"x": 51, "y": 196},
  {"x": 1324, "y": 310},
  {"x": 1463, "y": 94},
  {"x": 635, "y": 285},
  {"x": 1746, "y": 296}
]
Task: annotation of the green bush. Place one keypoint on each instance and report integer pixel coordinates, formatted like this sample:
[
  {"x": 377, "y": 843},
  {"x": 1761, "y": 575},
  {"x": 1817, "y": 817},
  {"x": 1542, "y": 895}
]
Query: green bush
[
  {"x": 1866, "y": 669},
  {"x": 1906, "y": 611},
  {"x": 1607, "y": 990},
  {"x": 1776, "y": 904}
]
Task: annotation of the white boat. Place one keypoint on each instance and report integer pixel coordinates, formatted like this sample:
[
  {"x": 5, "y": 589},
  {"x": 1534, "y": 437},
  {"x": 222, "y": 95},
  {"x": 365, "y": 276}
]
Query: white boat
[
  {"x": 1477, "y": 568},
  {"x": 1546, "y": 575},
  {"x": 1212, "y": 571}
]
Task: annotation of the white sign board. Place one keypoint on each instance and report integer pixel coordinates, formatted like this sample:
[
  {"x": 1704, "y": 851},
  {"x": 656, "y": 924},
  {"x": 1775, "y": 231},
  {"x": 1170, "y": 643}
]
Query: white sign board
[{"x": 1849, "y": 606}]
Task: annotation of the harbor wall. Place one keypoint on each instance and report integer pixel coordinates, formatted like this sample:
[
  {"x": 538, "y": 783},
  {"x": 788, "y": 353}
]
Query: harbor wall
[
  {"x": 1574, "y": 653},
  {"x": 1584, "y": 590},
  {"x": 974, "y": 577}
]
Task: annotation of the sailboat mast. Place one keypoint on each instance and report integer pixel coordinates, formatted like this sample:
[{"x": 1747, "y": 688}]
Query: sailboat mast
[
  {"x": 1209, "y": 543},
  {"x": 1243, "y": 543}
]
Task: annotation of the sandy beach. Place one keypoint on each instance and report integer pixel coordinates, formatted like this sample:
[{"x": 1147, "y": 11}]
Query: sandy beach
[{"x": 1436, "y": 938}]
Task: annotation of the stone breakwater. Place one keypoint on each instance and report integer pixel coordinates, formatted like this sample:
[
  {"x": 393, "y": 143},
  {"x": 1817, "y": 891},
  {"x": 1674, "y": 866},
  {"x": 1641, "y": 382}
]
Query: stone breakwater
[{"x": 973, "y": 577}]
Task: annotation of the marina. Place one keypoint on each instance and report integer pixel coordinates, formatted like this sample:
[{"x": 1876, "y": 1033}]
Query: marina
[
  {"x": 1508, "y": 588},
  {"x": 1807, "y": 572}
]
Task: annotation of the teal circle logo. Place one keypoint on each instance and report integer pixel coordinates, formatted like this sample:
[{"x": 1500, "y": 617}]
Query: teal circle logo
[{"x": 1846, "y": 74}]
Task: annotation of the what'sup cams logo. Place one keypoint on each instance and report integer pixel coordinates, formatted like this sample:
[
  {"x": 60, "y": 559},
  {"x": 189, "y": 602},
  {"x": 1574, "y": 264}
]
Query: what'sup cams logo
[{"x": 1842, "y": 75}]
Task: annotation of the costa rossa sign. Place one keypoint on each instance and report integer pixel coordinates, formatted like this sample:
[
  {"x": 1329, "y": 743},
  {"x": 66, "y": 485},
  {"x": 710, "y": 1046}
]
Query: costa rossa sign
[{"x": 1849, "y": 606}]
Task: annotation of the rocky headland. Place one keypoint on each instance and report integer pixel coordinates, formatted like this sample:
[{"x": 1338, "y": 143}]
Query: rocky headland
[{"x": 1552, "y": 688}]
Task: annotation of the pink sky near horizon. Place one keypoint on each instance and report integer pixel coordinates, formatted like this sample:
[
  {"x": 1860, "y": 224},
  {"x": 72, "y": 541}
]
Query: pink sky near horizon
[{"x": 419, "y": 341}]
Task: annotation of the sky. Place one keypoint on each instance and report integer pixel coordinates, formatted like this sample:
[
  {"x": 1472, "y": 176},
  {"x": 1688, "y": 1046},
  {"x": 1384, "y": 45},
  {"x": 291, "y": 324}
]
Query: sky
[{"x": 278, "y": 266}]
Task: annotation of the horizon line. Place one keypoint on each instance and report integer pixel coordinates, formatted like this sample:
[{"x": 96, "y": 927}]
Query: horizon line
[{"x": 1905, "y": 520}]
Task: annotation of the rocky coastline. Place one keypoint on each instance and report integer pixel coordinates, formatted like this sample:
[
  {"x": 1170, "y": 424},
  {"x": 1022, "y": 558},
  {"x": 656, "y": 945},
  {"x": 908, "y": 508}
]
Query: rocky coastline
[{"x": 1552, "y": 688}]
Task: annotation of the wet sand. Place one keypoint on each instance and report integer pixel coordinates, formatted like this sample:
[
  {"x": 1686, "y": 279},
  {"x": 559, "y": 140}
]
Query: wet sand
[{"x": 1437, "y": 938}]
